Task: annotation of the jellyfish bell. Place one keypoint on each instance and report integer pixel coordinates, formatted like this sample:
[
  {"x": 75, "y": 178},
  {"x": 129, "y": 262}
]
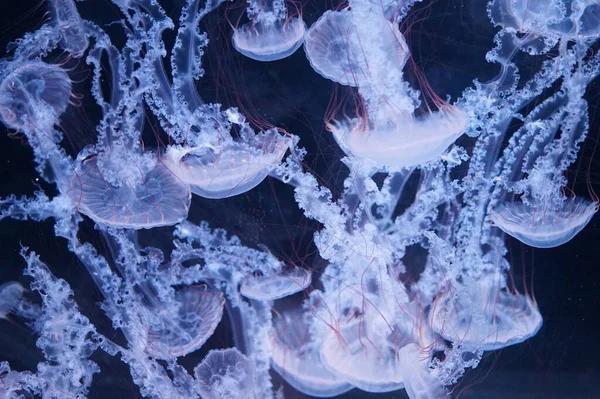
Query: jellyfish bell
[
  {"x": 231, "y": 169},
  {"x": 334, "y": 49},
  {"x": 419, "y": 381},
  {"x": 482, "y": 316},
  {"x": 184, "y": 329},
  {"x": 269, "y": 40},
  {"x": 295, "y": 357},
  {"x": 363, "y": 356},
  {"x": 36, "y": 94},
  {"x": 403, "y": 141},
  {"x": 274, "y": 286},
  {"x": 10, "y": 295},
  {"x": 225, "y": 374},
  {"x": 126, "y": 194},
  {"x": 545, "y": 225}
]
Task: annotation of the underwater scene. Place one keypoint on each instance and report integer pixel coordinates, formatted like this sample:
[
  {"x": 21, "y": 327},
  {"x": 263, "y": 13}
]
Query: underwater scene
[{"x": 269, "y": 199}]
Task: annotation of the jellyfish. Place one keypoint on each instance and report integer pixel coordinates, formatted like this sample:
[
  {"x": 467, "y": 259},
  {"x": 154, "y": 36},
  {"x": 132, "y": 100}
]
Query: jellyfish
[
  {"x": 115, "y": 182},
  {"x": 73, "y": 33},
  {"x": 198, "y": 312},
  {"x": 482, "y": 316},
  {"x": 275, "y": 286},
  {"x": 34, "y": 95},
  {"x": 295, "y": 356},
  {"x": 142, "y": 197},
  {"x": 364, "y": 355},
  {"x": 544, "y": 226},
  {"x": 342, "y": 49},
  {"x": 10, "y": 295},
  {"x": 232, "y": 169},
  {"x": 334, "y": 48},
  {"x": 270, "y": 35},
  {"x": 419, "y": 381},
  {"x": 225, "y": 374},
  {"x": 404, "y": 142}
]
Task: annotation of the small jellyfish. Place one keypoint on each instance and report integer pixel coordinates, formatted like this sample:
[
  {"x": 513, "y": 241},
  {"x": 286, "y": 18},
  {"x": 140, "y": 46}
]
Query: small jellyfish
[
  {"x": 225, "y": 374},
  {"x": 10, "y": 295},
  {"x": 334, "y": 49},
  {"x": 484, "y": 317},
  {"x": 186, "y": 329},
  {"x": 419, "y": 382},
  {"x": 295, "y": 356},
  {"x": 230, "y": 170},
  {"x": 34, "y": 94},
  {"x": 403, "y": 141},
  {"x": 275, "y": 286},
  {"x": 137, "y": 200},
  {"x": 544, "y": 226},
  {"x": 65, "y": 17},
  {"x": 270, "y": 35}
]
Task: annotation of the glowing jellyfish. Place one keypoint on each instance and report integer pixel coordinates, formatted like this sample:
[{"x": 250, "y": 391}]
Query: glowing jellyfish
[
  {"x": 73, "y": 34},
  {"x": 275, "y": 286},
  {"x": 34, "y": 94},
  {"x": 364, "y": 355},
  {"x": 334, "y": 49},
  {"x": 578, "y": 19},
  {"x": 404, "y": 141},
  {"x": 225, "y": 374},
  {"x": 544, "y": 226},
  {"x": 232, "y": 169},
  {"x": 484, "y": 317},
  {"x": 295, "y": 356},
  {"x": 419, "y": 382},
  {"x": 137, "y": 200},
  {"x": 10, "y": 295},
  {"x": 270, "y": 35},
  {"x": 197, "y": 314}
]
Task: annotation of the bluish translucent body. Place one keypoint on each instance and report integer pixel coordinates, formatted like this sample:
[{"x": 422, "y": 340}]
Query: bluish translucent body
[{"x": 358, "y": 310}]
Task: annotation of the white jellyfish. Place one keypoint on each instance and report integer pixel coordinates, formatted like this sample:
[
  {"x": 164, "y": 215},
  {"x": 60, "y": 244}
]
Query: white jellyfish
[
  {"x": 225, "y": 374},
  {"x": 544, "y": 226},
  {"x": 403, "y": 141},
  {"x": 34, "y": 94},
  {"x": 480, "y": 315},
  {"x": 295, "y": 356},
  {"x": 133, "y": 196},
  {"x": 341, "y": 48},
  {"x": 197, "y": 314},
  {"x": 364, "y": 355},
  {"x": 334, "y": 48},
  {"x": 274, "y": 286},
  {"x": 229, "y": 170},
  {"x": 10, "y": 295},
  {"x": 270, "y": 35},
  {"x": 419, "y": 381}
]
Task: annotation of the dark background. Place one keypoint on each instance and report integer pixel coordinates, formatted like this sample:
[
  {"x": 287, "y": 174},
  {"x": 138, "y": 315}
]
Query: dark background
[{"x": 448, "y": 41}]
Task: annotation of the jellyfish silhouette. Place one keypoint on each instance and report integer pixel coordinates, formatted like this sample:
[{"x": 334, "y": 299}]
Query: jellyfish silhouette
[{"x": 270, "y": 35}]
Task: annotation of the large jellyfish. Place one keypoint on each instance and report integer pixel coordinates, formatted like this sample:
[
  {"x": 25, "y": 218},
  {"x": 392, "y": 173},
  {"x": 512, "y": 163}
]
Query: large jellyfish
[
  {"x": 342, "y": 49},
  {"x": 270, "y": 35}
]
